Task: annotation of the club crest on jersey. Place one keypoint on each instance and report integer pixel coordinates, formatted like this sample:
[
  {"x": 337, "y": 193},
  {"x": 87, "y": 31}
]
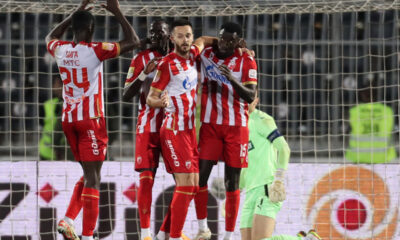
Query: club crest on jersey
[
  {"x": 214, "y": 74},
  {"x": 211, "y": 55},
  {"x": 139, "y": 160},
  {"x": 232, "y": 63},
  {"x": 188, "y": 164},
  {"x": 107, "y": 46},
  {"x": 179, "y": 67}
]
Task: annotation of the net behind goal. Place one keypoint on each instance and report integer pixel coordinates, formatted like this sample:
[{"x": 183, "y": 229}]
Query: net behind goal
[{"x": 314, "y": 60}]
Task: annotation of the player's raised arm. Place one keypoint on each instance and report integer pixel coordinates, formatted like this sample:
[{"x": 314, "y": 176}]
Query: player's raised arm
[
  {"x": 205, "y": 41},
  {"x": 60, "y": 29},
  {"x": 131, "y": 40}
]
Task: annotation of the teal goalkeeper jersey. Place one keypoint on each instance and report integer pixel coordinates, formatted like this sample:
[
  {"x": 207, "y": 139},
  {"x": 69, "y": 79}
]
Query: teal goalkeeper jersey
[{"x": 262, "y": 154}]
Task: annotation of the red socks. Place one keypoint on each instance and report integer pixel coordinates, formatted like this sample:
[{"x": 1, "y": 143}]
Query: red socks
[
  {"x": 90, "y": 203},
  {"x": 179, "y": 207},
  {"x": 231, "y": 209},
  {"x": 75, "y": 204},
  {"x": 145, "y": 197},
  {"x": 165, "y": 227},
  {"x": 201, "y": 201}
]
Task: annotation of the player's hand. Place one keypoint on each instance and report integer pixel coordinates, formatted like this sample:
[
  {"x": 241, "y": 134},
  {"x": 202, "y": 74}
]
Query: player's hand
[
  {"x": 242, "y": 43},
  {"x": 165, "y": 99},
  {"x": 111, "y": 6},
  {"x": 246, "y": 50},
  {"x": 226, "y": 72},
  {"x": 276, "y": 191},
  {"x": 151, "y": 65},
  {"x": 84, "y": 4}
]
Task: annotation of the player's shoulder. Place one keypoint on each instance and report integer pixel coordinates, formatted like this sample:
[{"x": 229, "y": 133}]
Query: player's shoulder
[
  {"x": 208, "y": 49},
  {"x": 57, "y": 42},
  {"x": 145, "y": 52},
  {"x": 262, "y": 116},
  {"x": 208, "y": 52},
  {"x": 247, "y": 57},
  {"x": 139, "y": 55},
  {"x": 170, "y": 57},
  {"x": 166, "y": 61},
  {"x": 194, "y": 48},
  {"x": 62, "y": 42}
]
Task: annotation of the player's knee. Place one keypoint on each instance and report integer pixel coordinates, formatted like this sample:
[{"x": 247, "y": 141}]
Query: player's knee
[
  {"x": 93, "y": 180},
  {"x": 232, "y": 177},
  {"x": 231, "y": 185}
]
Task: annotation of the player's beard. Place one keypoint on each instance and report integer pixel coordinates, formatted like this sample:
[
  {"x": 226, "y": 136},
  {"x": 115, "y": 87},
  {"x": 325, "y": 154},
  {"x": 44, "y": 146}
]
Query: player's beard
[{"x": 183, "y": 49}]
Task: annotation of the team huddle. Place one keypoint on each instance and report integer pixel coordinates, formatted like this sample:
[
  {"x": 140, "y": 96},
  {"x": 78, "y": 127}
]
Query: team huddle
[{"x": 167, "y": 76}]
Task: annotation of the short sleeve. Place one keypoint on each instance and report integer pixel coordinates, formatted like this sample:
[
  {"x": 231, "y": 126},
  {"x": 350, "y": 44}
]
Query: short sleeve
[
  {"x": 162, "y": 77},
  {"x": 135, "y": 68},
  {"x": 249, "y": 70},
  {"x": 106, "y": 50}
]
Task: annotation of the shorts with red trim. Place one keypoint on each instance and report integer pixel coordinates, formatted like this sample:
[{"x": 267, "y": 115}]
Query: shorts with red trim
[
  {"x": 228, "y": 143},
  {"x": 147, "y": 150},
  {"x": 87, "y": 139},
  {"x": 179, "y": 150}
]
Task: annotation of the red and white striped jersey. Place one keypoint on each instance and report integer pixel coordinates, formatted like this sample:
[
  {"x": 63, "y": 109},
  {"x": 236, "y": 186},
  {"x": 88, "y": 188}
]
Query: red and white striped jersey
[
  {"x": 179, "y": 77},
  {"x": 81, "y": 70},
  {"x": 149, "y": 119},
  {"x": 220, "y": 104}
]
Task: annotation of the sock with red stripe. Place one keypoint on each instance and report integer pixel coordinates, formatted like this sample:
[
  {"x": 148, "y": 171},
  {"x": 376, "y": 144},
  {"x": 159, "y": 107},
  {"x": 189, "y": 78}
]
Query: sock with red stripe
[
  {"x": 145, "y": 197},
  {"x": 179, "y": 207},
  {"x": 90, "y": 203},
  {"x": 201, "y": 201},
  {"x": 75, "y": 203},
  {"x": 231, "y": 209}
]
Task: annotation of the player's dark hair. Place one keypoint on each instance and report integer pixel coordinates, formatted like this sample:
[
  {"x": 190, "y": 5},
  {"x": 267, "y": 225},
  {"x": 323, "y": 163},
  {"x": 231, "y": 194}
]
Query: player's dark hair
[
  {"x": 82, "y": 21},
  {"x": 232, "y": 27},
  {"x": 180, "y": 22},
  {"x": 161, "y": 20}
]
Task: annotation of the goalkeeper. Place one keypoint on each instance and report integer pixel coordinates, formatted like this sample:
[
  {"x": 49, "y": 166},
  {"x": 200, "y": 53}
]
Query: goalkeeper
[{"x": 263, "y": 180}]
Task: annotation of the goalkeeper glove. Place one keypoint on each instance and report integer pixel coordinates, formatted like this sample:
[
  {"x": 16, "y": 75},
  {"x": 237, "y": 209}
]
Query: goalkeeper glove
[{"x": 276, "y": 191}]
